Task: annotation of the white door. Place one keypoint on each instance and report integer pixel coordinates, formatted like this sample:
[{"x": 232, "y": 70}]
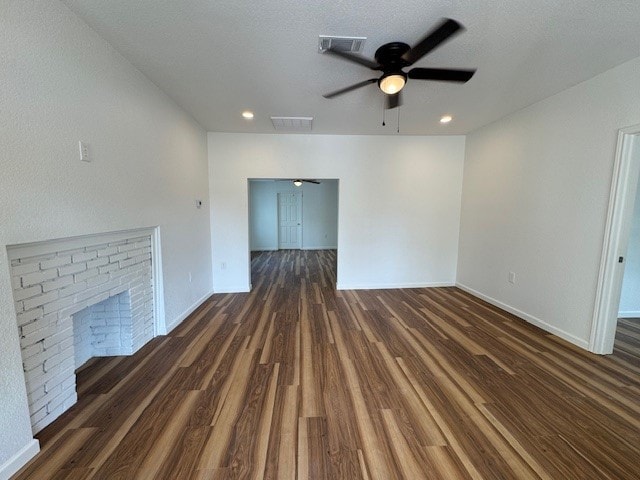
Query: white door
[{"x": 290, "y": 220}]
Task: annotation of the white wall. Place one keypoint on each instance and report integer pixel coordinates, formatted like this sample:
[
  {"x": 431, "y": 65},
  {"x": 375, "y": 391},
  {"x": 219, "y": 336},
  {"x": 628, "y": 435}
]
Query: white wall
[
  {"x": 319, "y": 213},
  {"x": 630, "y": 297},
  {"x": 535, "y": 198},
  {"x": 398, "y": 209},
  {"x": 61, "y": 83}
]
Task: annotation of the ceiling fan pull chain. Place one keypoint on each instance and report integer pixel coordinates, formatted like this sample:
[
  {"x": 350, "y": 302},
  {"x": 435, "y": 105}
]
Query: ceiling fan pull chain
[
  {"x": 383, "y": 112},
  {"x": 398, "y": 120}
]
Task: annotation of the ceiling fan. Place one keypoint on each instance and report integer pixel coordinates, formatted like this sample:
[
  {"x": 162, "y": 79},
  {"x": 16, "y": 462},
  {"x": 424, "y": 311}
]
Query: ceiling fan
[
  {"x": 299, "y": 181},
  {"x": 392, "y": 57}
]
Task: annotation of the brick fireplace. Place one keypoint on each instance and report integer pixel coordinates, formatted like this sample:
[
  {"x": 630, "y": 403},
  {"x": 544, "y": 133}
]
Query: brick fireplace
[{"x": 77, "y": 298}]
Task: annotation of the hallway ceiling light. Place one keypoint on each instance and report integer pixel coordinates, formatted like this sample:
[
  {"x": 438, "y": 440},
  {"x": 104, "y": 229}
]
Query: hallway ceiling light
[
  {"x": 446, "y": 119},
  {"x": 247, "y": 114},
  {"x": 297, "y": 183}
]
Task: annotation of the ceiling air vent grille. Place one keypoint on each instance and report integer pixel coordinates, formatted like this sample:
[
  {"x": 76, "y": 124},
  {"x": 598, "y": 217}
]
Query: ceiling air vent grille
[
  {"x": 343, "y": 44},
  {"x": 292, "y": 124}
]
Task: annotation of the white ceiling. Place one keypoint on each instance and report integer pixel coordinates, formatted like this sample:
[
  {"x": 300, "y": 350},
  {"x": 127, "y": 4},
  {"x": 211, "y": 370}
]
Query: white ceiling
[{"x": 217, "y": 58}]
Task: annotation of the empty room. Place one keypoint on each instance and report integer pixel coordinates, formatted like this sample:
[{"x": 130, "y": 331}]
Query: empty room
[{"x": 319, "y": 240}]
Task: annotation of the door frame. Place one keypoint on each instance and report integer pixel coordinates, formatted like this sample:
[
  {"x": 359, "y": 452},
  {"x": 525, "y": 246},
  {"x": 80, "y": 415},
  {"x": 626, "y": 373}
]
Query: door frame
[{"x": 624, "y": 182}]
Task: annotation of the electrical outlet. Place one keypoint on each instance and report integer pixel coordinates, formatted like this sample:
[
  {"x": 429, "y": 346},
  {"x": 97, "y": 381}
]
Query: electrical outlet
[
  {"x": 84, "y": 152},
  {"x": 512, "y": 277}
]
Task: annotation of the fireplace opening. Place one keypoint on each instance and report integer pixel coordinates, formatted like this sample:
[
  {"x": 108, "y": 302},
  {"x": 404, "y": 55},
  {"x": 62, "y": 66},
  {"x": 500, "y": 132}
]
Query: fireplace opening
[{"x": 103, "y": 329}]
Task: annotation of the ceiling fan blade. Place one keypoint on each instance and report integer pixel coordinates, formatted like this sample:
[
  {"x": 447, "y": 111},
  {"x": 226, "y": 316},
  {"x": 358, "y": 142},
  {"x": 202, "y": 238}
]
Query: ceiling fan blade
[
  {"x": 441, "y": 74},
  {"x": 435, "y": 38},
  {"x": 351, "y": 87},
  {"x": 393, "y": 101},
  {"x": 312, "y": 181},
  {"x": 365, "y": 62}
]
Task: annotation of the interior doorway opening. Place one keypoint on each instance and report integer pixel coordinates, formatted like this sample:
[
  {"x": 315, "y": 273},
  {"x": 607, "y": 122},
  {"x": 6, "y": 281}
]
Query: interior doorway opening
[
  {"x": 284, "y": 215},
  {"x": 619, "y": 243}
]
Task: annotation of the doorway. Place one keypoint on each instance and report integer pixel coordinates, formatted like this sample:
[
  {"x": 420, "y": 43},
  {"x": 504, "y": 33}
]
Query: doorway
[
  {"x": 617, "y": 237},
  {"x": 277, "y": 206}
]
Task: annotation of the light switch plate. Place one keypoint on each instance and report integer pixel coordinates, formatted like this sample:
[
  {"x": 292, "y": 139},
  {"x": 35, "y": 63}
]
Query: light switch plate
[{"x": 84, "y": 152}]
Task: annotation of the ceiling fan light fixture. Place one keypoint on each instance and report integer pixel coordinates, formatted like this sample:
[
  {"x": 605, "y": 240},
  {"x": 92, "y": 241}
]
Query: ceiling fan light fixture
[
  {"x": 297, "y": 183},
  {"x": 392, "y": 83}
]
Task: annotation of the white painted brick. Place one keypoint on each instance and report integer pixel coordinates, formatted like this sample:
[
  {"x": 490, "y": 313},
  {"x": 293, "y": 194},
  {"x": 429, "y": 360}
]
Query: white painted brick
[
  {"x": 55, "y": 262},
  {"x": 69, "y": 381},
  {"x": 85, "y": 275},
  {"x": 37, "y": 377},
  {"x": 128, "y": 247},
  {"x": 105, "y": 252},
  {"x": 119, "y": 242},
  {"x": 64, "y": 323},
  {"x": 38, "y": 415},
  {"x": 98, "y": 280},
  {"x": 23, "y": 293},
  {"x": 23, "y": 269},
  {"x": 19, "y": 307},
  {"x": 36, "y": 395},
  {"x": 37, "y": 324},
  {"x": 60, "y": 380},
  {"x": 35, "y": 360},
  {"x": 117, "y": 257},
  {"x": 72, "y": 310},
  {"x": 16, "y": 282},
  {"x": 71, "y": 269},
  {"x": 68, "y": 362},
  {"x": 38, "y": 277},
  {"x": 70, "y": 252},
  {"x": 29, "y": 316},
  {"x": 83, "y": 257},
  {"x": 45, "y": 422},
  {"x": 72, "y": 289},
  {"x": 37, "y": 258},
  {"x": 98, "y": 262},
  {"x": 58, "y": 337},
  {"x": 32, "y": 350},
  {"x": 112, "y": 267},
  {"x": 52, "y": 362},
  {"x": 58, "y": 304},
  {"x": 40, "y": 300},
  {"x": 71, "y": 401},
  {"x": 57, "y": 283},
  {"x": 66, "y": 343}
]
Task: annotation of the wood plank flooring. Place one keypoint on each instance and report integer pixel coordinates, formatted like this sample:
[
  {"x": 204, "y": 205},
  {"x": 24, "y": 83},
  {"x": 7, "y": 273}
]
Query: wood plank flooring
[{"x": 298, "y": 381}]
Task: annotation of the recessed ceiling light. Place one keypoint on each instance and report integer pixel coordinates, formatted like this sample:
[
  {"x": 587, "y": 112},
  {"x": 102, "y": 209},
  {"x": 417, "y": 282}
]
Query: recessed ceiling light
[
  {"x": 247, "y": 114},
  {"x": 446, "y": 119}
]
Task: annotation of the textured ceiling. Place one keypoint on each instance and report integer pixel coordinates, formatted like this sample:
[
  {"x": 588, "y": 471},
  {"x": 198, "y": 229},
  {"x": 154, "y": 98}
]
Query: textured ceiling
[{"x": 216, "y": 58}]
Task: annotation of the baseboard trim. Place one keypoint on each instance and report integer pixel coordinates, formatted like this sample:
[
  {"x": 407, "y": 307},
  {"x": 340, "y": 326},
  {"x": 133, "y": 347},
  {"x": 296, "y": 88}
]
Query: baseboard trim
[
  {"x": 19, "y": 460},
  {"x": 391, "y": 286},
  {"x": 320, "y": 248},
  {"x": 526, "y": 317},
  {"x": 232, "y": 289},
  {"x": 629, "y": 314},
  {"x": 187, "y": 312}
]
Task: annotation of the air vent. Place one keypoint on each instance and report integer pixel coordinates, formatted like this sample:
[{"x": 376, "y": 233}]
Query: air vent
[
  {"x": 343, "y": 44},
  {"x": 292, "y": 124}
]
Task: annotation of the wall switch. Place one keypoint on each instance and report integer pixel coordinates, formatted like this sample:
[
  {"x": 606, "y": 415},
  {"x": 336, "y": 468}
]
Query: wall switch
[
  {"x": 223, "y": 265},
  {"x": 84, "y": 152},
  {"x": 198, "y": 203},
  {"x": 512, "y": 277},
  {"x": 190, "y": 277}
]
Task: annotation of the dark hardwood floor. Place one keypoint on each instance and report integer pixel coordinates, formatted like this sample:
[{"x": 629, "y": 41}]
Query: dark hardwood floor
[{"x": 297, "y": 380}]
